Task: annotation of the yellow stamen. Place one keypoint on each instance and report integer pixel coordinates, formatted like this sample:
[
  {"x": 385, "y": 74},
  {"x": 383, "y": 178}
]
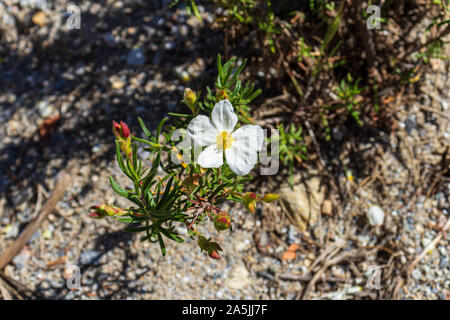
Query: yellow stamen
[
  {"x": 179, "y": 156},
  {"x": 224, "y": 140}
]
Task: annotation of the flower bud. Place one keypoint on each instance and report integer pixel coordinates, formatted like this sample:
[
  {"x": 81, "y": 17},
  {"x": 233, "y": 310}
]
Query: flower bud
[
  {"x": 214, "y": 255},
  {"x": 190, "y": 98},
  {"x": 121, "y": 131},
  {"x": 103, "y": 210},
  {"x": 210, "y": 247},
  {"x": 249, "y": 200},
  {"x": 221, "y": 95},
  {"x": 222, "y": 221},
  {"x": 270, "y": 197}
]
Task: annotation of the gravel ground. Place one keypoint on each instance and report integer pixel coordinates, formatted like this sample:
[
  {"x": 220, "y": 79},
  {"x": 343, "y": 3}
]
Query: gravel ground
[{"x": 62, "y": 88}]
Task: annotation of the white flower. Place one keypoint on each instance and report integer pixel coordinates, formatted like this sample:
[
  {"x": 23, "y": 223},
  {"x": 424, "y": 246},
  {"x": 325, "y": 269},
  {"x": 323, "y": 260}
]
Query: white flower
[{"x": 240, "y": 147}]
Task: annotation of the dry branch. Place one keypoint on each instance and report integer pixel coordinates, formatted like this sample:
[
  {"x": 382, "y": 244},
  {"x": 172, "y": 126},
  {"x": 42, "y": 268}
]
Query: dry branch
[{"x": 34, "y": 225}]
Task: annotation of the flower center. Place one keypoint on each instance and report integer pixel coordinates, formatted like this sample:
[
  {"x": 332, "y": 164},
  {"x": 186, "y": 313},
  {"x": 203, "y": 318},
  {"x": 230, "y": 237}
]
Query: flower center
[{"x": 224, "y": 140}]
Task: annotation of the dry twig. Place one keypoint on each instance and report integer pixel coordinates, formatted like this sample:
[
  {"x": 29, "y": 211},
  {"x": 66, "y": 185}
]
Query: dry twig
[{"x": 33, "y": 226}]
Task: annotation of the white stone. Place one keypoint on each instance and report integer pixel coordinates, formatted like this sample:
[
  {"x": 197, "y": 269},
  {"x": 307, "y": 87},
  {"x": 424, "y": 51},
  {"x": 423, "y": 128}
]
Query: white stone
[{"x": 375, "y": 215}]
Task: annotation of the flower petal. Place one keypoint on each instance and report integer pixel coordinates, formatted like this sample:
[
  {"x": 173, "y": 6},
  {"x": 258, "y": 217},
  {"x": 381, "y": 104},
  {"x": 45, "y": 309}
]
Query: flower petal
[
  {"x": 251, "y": 135},
  {"x": 211, "y": 157},
  {"x": 202, "y": 131},
  {"x": 243, "y": 154},
  {"x": 223, "y": 116}
]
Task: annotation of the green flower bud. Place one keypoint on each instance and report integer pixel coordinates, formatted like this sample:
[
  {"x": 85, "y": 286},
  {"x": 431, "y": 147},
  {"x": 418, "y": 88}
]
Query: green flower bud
[
  {"x": 103, "y": 210},
  {"x": 210, "y": 247},
  {"x": 249, "y": 200},
  {"x": 270, "y": 197},
  {"x": 190, "y": 98}
]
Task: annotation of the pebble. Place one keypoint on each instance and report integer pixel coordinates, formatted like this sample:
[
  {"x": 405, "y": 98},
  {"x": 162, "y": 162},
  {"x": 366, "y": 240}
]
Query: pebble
[
  {"x": 45, "y": 108},
  {"x": 169, "y": 45},
  {"x": 90, "y": 257},
  {"x": 410, "y": 124},
  {"x": 375, "y": 215},
  {"x": 21, "y": 259},
  {"x": 11, "y": 231},
  {"x": 417, "y": 274},
  {"x": 184, "y": 30},
  {"x": 136, "y": 57}
]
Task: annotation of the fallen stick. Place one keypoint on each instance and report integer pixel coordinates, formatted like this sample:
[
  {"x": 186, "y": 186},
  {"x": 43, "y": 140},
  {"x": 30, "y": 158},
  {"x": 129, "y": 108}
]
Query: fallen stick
[
  {"x": 298, "y": 277},
  {"x": 34, "y": 225},
  {"x": 13, "y": 289},
  {"x": 347, "y": 255}
]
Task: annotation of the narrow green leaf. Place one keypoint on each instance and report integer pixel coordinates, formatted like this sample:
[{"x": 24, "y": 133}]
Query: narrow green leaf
[
  {"x": 120, "y": 160},
  {"x": 161, "y": 244},
  {"x": 144, "y": 128},
  {"x": 117, "y": 188},
  {"x": 136, "y": 229},
  {"x": 154, "y": 145},
  {"x": 171, "y": 235},
  {"x": 219, "y": 66},
  {"x": 160, "y": 125}
]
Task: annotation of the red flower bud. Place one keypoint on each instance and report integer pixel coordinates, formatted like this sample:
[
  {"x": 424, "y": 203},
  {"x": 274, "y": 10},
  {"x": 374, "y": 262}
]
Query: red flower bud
[
  {"x": 125, "y": 130},
  {"x": 95, "y": 215},
  {"x": 222, "y": 221},
  {"x": 221, "y": 95},
  {"x": 214, "y": 255},
  {"x": 121, "y": 131}
]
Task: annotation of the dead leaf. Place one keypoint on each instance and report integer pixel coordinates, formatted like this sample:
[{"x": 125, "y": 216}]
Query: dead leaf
[{"x": 290, "y": 253}]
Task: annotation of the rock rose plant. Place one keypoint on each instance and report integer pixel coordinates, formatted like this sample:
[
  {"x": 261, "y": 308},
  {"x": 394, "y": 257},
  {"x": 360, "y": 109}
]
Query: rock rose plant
[{"x": 175, "y": 190}]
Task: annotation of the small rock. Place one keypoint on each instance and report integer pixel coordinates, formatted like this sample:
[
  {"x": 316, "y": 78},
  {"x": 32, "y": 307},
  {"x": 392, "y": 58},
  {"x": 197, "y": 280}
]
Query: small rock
[
  {"x": 40, "y": 18},
  {"x": 11, "y": 231},
  {"x": 184, "y": 30},
  {"x": 410, "y": 124},
  {"x": 45, "y": 108},
  {"x": 292, "y": 235},
  {"x": 21, "y": 259},
  {"x": 416, "y": 274},
  {"x": 375, "y": 215},
  {"x": 96, "y": 148},
  {"x": 169, "y": 45},
  {"x": 304, "y": 201},
  {"x": 327, "y": 207},
  {"x": 135, "y": 57},
  {"x": 90, "y": 257}
]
